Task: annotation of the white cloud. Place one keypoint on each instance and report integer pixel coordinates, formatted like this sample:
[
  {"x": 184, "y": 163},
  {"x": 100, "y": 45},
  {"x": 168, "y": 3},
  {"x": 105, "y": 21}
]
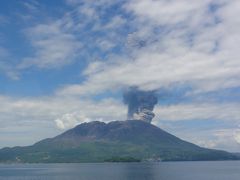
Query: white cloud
[
  {"x": 70, "y": 120},
  {"x": 195, "y": 47},
  {"x": 215, "y": 138},
  {"x": 41, "y": 117},
  {"x": 199, "y": 111},
  {"x": 166, "y": 12},
  {"x": 31, "y": 5},
  {"x": 154, "y": 71},
  {"x": 179, "y": 42},
  {"x": 207, "y": 143},
  {"x": 65, "y": 111},
  {"x": 73, "y": 36},
  {"x": 6, "y": 68},
  {"x": 237, "y": 137},
  {"x": 116, "y": 22},
  {"x": 228, "y": 137},
  {"x": 54, "y": 47},
  {"x": 80, "y": 110}
]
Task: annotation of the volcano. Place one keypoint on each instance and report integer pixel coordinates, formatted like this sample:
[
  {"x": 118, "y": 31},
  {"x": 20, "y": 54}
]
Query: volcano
[{"x": 131, "y": 140}]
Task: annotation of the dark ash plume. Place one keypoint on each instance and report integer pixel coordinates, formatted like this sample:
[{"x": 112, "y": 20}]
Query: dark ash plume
[{"x": 140, "y": 104}]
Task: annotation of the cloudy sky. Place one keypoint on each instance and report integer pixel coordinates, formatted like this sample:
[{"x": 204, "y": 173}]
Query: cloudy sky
[{"x": 63, "y": 62}]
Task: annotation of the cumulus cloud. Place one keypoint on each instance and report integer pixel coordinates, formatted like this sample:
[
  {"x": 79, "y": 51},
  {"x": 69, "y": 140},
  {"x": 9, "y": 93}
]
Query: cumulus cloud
[
  {"x": 70, "y": 120},
  {"x": 66, "y": 112},
  {"x": 27, "y": 114},
  {"x": 151, "y": 45},
  {"x": 42, "y": 117},
  {"x": 50, "y": 108}
]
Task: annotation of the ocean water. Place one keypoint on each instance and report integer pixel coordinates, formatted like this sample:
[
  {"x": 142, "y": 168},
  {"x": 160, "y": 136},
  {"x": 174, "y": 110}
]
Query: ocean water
[{"x": 224, "y": 170}]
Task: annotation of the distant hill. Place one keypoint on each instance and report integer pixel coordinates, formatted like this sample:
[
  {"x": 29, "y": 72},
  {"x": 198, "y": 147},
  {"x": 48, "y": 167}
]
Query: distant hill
[{"x": 115, "y": 141}]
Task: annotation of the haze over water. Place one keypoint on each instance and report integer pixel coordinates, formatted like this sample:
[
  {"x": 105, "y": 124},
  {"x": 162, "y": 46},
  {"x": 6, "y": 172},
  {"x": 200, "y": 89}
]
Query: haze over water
[{"x": 221, "y": 170}]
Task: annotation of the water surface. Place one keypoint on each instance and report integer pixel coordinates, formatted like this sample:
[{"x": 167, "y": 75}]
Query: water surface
[{"x": 224, "y": 170}]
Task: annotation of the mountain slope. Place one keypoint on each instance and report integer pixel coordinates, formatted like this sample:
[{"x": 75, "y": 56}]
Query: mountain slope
[{"x": 115, "y": 141}]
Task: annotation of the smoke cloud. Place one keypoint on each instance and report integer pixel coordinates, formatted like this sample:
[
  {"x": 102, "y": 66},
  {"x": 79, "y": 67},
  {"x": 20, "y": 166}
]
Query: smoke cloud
[{"x": 140, "y": 104}]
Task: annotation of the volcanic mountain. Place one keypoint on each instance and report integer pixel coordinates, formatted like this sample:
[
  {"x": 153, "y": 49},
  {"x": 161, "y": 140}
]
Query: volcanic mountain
[{"x": 131, "y": 140}]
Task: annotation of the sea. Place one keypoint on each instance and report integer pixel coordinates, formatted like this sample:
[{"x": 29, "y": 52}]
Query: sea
[{"x": 207, "y": 170}]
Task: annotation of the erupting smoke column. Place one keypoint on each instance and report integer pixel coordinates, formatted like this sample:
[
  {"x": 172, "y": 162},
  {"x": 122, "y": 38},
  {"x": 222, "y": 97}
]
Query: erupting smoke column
[{"x": 140, "y": 104}]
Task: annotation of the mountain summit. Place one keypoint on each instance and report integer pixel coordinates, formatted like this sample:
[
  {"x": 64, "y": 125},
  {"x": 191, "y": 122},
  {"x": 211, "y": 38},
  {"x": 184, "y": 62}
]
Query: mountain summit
[{"x": 131, "y": 140}]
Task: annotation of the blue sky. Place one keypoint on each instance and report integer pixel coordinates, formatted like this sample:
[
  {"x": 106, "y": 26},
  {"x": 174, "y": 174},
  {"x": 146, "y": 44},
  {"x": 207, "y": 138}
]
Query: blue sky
[{"x": 64, "y": 62}]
